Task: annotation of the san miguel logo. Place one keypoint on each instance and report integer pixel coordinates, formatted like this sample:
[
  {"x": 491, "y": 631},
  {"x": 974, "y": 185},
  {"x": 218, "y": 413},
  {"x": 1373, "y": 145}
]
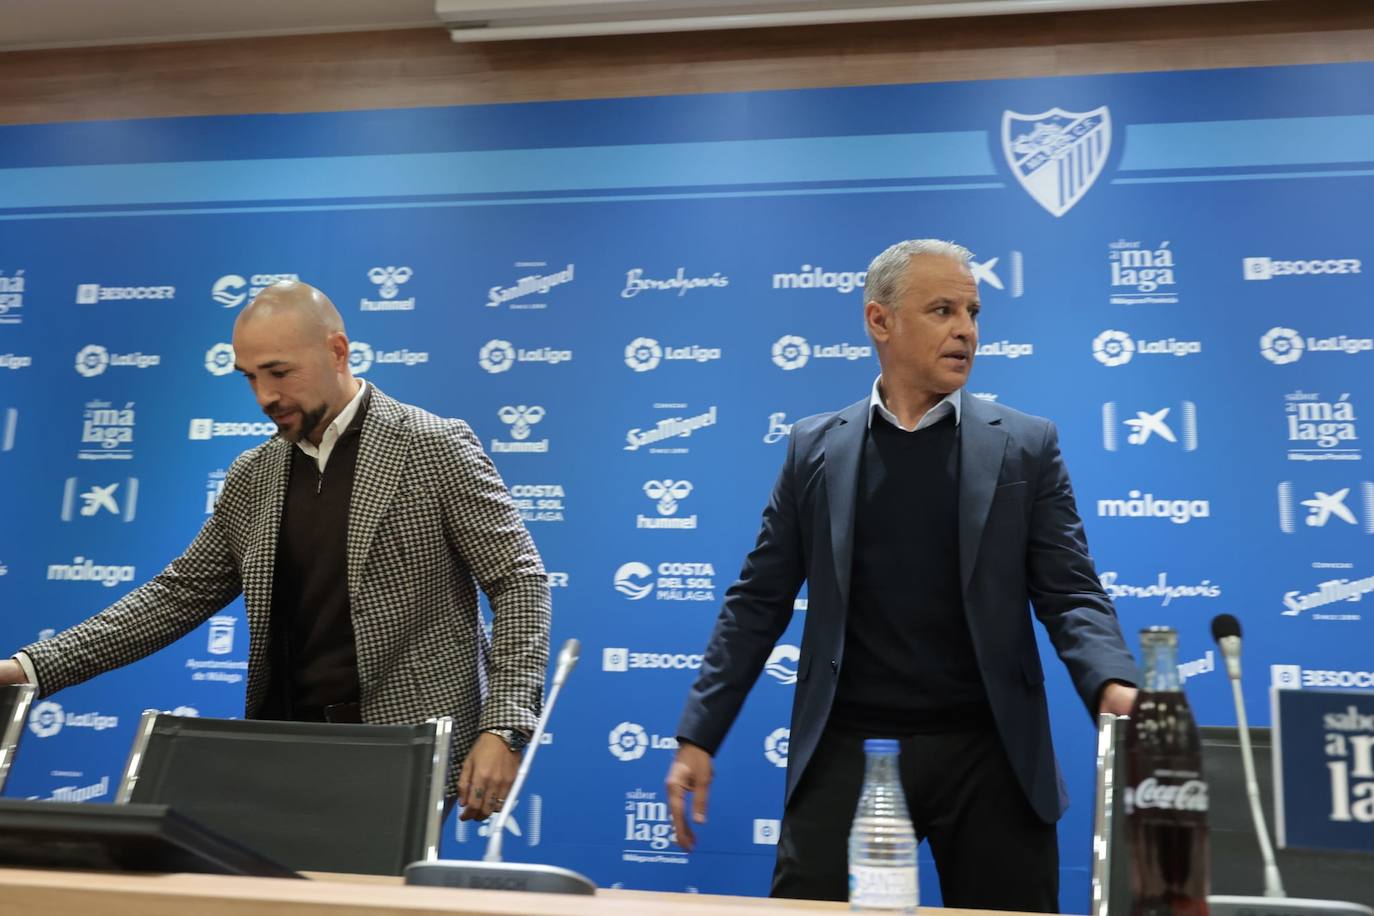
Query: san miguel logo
[{"x": 1057, "y": 155}]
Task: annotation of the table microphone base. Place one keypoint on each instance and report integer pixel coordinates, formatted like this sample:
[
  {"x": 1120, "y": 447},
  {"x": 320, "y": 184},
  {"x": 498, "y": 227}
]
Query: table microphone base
[
  {"x": 500, "y": 876},
  {"x": 1227, "y": 905}
]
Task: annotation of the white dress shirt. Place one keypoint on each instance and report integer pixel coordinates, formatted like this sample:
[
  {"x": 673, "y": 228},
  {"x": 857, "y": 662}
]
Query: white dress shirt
[
  {"x": 332, "y": 432},
  {"x": 950, "y": 403}
]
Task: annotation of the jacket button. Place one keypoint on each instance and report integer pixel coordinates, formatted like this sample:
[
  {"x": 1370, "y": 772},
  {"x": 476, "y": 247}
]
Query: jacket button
[{"x": 834, "y": 666}]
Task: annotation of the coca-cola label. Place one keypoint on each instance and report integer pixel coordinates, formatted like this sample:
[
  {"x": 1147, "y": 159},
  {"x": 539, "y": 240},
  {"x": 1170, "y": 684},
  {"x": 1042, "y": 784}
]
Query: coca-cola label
[{"x": 1189, "y": 795}]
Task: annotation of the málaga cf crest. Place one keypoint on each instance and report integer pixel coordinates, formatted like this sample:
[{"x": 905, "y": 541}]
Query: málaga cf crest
[{"x": 1057, "y": 154}]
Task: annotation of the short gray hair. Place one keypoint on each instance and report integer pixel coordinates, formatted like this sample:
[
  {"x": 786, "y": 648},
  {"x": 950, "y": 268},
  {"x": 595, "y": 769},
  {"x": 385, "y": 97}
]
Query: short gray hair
[{"x": 886, "y": 278}]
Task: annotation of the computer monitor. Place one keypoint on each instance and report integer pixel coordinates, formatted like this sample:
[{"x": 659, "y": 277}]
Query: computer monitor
[{"x": 143, "y": 838}]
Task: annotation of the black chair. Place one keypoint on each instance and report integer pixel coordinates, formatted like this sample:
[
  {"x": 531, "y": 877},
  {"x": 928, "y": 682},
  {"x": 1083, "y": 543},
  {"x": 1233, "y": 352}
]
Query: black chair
[
  {"x": 15, "y": 701},
  {"x": 362, "y": 799},
  {"x": 1236, "y": 866}
]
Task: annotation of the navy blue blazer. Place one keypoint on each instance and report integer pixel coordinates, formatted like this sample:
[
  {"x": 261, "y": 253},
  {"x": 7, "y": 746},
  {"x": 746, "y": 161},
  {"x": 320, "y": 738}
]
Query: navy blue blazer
[{"x": 1020, "y": 540}]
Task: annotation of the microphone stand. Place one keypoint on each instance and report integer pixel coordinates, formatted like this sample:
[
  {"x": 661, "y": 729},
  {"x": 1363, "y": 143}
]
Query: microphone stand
[
  {"x": 1274, "y": 902},
  {"x": 490, "y": 873}
]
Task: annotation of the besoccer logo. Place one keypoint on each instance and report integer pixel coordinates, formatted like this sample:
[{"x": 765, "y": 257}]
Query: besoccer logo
[
  {"x": 1113, "y": 348},
  {"x": 1281, "y": 346},
  {"x": 643, "y": 354},
  {"x": 520, "y": 418},
  {"x": 230, "y": 291},
  {"x": 389, "y": 279},
  {"x": 92, "y": 360},
  {"x": 496, "y": 356},
  {"x": 775, "y": 746},
  {"x": 633, "y": 580},
  {"x": 791, "y": 352},
  {"x": 45, "y": 720},
  {"x": 628, "y": 741},
  {"x": 359, "y": 357},
  {"x": 219, "y": 359}
]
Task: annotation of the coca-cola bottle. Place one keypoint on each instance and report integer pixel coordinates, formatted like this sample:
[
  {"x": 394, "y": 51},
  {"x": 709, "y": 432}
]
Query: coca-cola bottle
[{"x": 1165, "y": 794}]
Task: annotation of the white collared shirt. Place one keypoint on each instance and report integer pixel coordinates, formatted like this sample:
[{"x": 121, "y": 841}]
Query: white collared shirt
[
  {"x": 950, "y": 403},
  {"x": 332, "y": 432}
]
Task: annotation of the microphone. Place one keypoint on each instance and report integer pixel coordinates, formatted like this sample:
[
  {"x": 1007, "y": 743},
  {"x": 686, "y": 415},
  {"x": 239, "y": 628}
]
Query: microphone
[
  {"x": 491, "y": 873},
  {"x": 1226, "y": 631},
  {"x": 567, "y": 658}
]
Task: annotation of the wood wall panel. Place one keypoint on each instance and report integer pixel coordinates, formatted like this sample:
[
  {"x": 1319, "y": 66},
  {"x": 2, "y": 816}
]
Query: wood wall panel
[{"x": 422, "y": 67}]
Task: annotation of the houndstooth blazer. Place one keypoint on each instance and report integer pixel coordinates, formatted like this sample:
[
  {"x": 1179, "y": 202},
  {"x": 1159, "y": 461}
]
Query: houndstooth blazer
[{"x": 430, "y": 521}]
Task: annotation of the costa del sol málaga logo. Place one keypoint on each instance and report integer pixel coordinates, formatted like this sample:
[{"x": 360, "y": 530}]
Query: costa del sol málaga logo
[
  {"x": 633, "y": 580},
  {"x": 1282, "y": 346},
  {"x": 1113, "y": 348},
  {"x": 643, "y": 354},
  {"x": 496, "y": 356},
  {"x": 791, "y": 352}
]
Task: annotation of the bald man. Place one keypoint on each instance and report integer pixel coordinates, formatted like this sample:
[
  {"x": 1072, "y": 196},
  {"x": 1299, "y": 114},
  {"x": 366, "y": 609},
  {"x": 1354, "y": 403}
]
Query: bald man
[{"x": 358, "y": 536}]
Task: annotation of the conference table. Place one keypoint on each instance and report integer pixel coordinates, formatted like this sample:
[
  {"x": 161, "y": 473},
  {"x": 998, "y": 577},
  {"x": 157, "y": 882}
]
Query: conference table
[{"x": 35, "y": 892}]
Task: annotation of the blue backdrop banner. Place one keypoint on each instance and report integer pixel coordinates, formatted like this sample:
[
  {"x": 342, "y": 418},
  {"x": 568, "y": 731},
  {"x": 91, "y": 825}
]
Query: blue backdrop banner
[{"x": 631, "y": 301}]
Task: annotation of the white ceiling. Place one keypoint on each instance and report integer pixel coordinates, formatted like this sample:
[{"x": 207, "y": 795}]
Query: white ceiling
[{"x": 32, "y": 24}]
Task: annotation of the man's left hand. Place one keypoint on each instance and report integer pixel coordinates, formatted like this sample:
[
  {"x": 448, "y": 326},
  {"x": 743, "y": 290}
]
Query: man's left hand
[
  {"x": 486, "y": 777},
  {"x": 1117, "y": 698}
]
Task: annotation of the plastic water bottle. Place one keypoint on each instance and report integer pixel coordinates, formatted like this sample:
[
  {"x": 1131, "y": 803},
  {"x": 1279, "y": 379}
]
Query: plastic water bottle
[{"x": 882, "y": 842}]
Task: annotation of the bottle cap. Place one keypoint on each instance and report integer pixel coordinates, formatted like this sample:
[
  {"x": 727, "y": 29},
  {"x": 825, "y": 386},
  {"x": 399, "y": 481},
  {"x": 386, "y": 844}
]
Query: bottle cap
[{"x": 880, "y": 746}]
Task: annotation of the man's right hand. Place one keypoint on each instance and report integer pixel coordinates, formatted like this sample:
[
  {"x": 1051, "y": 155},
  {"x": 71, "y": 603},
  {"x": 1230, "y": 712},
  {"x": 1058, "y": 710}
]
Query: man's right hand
[
  {"x": 11, "y": 673},
  {"x": 690, "y": 773}
]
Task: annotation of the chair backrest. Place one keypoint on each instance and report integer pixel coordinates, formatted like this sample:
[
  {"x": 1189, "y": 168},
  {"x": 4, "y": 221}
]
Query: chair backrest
[
  {"x": 1236, "y": 866},
  {"x": 14, "y": 710},
  {"x": 364, "y": 799}
]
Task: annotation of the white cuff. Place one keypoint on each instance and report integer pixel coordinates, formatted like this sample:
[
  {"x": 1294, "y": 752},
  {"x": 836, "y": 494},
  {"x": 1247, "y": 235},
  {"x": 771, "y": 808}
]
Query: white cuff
[{"x": 24, "y": 662}]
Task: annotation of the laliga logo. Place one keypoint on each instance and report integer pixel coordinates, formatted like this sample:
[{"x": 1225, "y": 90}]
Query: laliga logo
[
  {"x": 359, "y": 357},
  {"x": 230, "y": 291},
  {"x": 92, "y": 360},
  {"x": 791, "y": 352},
  {"x": 643, "y": 354},
  {"x": 631, "y": 580},
  {"x": 520, "y": 419},
  {"x": 782, "y": 664},
  {"x": 667, "y": 492},
  {"x": 496, "y": 356},
  {"x": 1282, "y": 346},
  {"x": 46, "y": 719},
  {"x": 219, "y": 359},
  {"x": 389, "y": 279},
  {"x": 628, "y": 741},
  {"x": 775, "y": 746},
  {"x": 1113, "y": 348}
]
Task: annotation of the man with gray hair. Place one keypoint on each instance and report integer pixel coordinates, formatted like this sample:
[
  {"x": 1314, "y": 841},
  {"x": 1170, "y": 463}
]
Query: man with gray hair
[
  {"x": 925, "y": 523},
  {"x": 358, "y": 536}
]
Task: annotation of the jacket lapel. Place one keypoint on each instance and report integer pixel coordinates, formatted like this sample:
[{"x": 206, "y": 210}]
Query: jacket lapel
[
  {"x": 843, "y": 446},
  {"x": 982, "y": 445},
  {"x": 381, "y": 460},
  {"x": 260, "y": 552}
]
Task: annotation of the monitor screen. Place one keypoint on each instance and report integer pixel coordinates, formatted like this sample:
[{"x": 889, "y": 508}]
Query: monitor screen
[{"x": 146, "y": 838}]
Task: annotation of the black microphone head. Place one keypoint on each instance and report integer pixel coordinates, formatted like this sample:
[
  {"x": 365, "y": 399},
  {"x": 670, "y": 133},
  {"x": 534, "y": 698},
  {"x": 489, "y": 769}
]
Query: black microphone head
[{"x": 1224, "y": 625}]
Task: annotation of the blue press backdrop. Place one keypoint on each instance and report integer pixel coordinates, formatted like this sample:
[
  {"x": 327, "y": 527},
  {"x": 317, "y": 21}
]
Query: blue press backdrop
[{"x": 630, "y": 301}]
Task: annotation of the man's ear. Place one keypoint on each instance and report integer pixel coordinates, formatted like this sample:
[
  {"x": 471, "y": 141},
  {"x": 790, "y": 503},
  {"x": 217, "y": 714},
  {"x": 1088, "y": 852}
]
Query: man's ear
[
  {"x": 878, "y": 321},
  {"x": 338, "y": 346}
]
